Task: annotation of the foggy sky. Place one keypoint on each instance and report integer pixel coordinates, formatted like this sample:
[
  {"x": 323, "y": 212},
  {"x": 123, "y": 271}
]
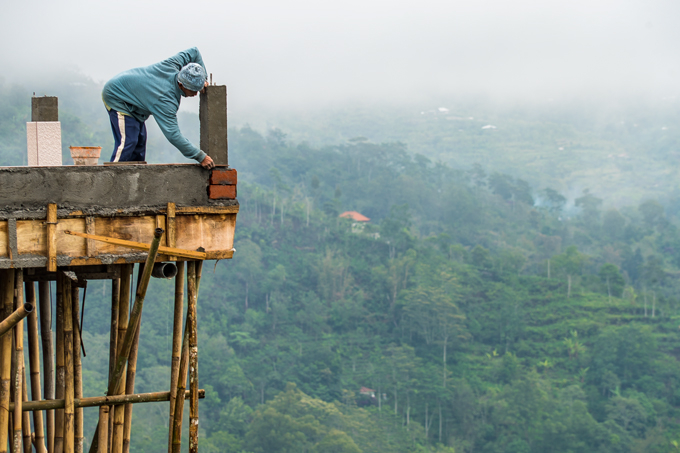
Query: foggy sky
[{"x": 305, "y": 52}]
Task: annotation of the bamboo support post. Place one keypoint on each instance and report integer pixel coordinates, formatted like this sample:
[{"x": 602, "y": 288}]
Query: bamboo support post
[
  {"x": 103, "y": 429},
  {"x": 26, "y": 417},
  {"x": 15, "y": 318},
  {"x": 7, "y": 297},
  {"x": 99, "y": 401},
  {"x": 113, "y": 350},
  {"x": 176, "y": 337},
  {"x": 130, "y": 377},
  {"x": 48, "y": 356},
  {"x": 176, "y": 428},
  {"x": 34, "y": 365},
  {"x": 69, "y": 390},
  {"x": 79, "y": 428},
  {"x": 193, "y": 359},
  {"x": 18, "y": 363},
  {"x": 59, "y": 378},
  {"x": 123, "y": 318}
]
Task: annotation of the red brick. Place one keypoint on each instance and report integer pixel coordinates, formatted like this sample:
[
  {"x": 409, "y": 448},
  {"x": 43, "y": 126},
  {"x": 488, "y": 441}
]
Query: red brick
[
  {"x": 224, "y": 176},
  {"x": 217, "y": 192}
]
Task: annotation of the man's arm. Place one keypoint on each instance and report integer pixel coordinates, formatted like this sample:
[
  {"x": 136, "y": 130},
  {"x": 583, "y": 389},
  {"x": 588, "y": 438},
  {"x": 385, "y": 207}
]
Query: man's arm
[
  {"x": 187, "y": 56},
  {"x": 167, "y": 122}
]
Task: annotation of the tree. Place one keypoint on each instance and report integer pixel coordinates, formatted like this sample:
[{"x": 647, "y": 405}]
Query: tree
[
  {"x": 570, "y": 262},
  {"x": 611, "y": 276}
]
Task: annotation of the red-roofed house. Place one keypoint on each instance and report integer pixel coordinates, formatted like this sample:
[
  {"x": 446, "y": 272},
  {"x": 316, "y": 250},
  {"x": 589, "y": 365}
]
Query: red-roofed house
[{"x": 355, "y": 216}]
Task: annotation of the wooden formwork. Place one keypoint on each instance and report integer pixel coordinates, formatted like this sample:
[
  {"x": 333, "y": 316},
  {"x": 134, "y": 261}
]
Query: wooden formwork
[{"x": 39, "y": 248}]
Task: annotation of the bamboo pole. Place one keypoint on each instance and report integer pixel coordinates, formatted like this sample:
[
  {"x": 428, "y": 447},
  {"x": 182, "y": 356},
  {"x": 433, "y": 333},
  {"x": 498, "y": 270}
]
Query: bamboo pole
[
  {"x": 104, "y": 429},
  {"x": 193, "y": 359},
  {"x": 79, "y": 428},
  {"x": 34, "y": 364},
  {"x": 26, "y": 422},
  {"x": 59, "y": 385},
  {"x": 113, "y": 350},
  {"x": 117, "y": 380},
  {"x": 123, "y": 319},
  {"x": 45, "y": 307},
  {"x": 176, "y": 339},
  {"x": 19, "y": 363},
  {"x": 99, "y": 401},
  {"x": 130, "y": 378},
  {"x": 15, "y": 318},
  {"x": 184, "y": 362},
  {"x": 69, "y": 390},
  {"x": 7, "y": 296}
]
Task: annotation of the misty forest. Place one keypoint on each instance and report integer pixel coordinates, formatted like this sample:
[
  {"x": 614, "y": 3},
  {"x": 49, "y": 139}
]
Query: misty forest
[{"x": 515, "y": 290}]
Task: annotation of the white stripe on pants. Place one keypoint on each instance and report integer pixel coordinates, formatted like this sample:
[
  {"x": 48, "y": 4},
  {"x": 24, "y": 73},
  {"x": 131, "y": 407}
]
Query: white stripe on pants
[{"x": 121, "y": 127}]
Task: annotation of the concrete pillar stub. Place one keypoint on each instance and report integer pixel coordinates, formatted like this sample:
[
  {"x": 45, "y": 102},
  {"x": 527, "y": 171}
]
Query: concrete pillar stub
[
  {"x": 213, "y": 118},
  {"x": 43, "y": 133},
  {"x": 45, "y": 108}
]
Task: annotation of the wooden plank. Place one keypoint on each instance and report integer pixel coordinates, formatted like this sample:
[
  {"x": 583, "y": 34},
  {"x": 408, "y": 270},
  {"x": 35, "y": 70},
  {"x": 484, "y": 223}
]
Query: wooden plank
[
  {"x": 139, "y": 229},
  {"x": 141, "y": 246},
  {"x": 171, "y": 233},
  {"x": 4, "y": 239},
  {"x": 212, "y": 232},
  {"x": 52, "y": 237},
  {"x": 90, "y": 229},
  {"x": 233, "y": 209},
  {"x": 31, "y": 238}
]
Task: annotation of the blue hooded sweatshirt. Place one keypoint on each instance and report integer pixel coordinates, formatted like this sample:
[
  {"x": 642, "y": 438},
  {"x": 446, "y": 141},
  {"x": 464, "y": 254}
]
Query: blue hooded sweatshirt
[{"x": 153, "y": 90}]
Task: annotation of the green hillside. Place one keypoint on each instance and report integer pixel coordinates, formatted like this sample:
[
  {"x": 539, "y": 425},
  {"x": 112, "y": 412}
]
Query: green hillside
[{"x": 477, "y": 315}]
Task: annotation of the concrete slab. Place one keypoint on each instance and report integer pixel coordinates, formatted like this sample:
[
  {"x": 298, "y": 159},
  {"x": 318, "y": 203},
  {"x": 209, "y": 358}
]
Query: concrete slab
[
  {"x": 213, "y": 117},
  {"x": 100, "y": 188}
]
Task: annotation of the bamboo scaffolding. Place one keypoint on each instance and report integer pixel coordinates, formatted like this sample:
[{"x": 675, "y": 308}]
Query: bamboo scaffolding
[
  {"x": 123, "y": 318},
  {"x": 69, "y": 390},
  {"x": 18, "y": 376},
  {"x": 190, "y": 254},
  {"x": 79, "y": 428},
  {"x": 103, "y": 429},
  {"x": 99, "y": 401},
  {"x": 26, "y": 422},
  {"x": 193, "y": 358},
  {"x": 176, "y": 341},
  {"x": 113, "y": 350},
  {"x": 59, "y": 378},
  {"x": 7, "y": 296},
  {"x": 34, "y": 365},
  {"x": 45, "y": 307},
  {"x": 130, "y": 378}
]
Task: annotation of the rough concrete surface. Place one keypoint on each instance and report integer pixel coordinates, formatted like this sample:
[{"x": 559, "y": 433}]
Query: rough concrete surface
[
  {"x": 43, "y": 140},
  {"x": 45, "y": 108},
  {"x": 103, "y": 188},
  {"x": 212, "y": 115}
]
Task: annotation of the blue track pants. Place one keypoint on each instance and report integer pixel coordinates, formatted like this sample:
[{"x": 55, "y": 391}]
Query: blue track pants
[{"x": 129, "y": 136}]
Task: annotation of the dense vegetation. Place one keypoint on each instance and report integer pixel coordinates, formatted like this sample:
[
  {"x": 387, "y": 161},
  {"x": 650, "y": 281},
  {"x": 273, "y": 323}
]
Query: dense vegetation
[{"x": 478, "y": 315}]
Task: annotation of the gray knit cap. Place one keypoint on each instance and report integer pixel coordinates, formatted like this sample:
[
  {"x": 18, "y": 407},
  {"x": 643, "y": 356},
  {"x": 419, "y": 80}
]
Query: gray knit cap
[{"x": 192, "y": 76}]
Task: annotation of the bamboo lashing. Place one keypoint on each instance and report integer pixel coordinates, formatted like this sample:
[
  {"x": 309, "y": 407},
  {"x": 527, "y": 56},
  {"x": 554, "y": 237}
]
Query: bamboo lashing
[{"x": 190, "y": 254}]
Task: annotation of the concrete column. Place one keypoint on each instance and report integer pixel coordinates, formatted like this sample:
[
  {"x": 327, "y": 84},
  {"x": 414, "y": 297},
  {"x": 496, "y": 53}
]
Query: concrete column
[
  {"x": 213, "y": 118},
  {"x": 43, "y": 133}
]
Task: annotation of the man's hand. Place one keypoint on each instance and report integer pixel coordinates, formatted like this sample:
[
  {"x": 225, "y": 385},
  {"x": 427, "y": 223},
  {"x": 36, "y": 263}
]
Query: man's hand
[
  {"x": 208, "y": 163},
  {"x": 205, "y": 85}
]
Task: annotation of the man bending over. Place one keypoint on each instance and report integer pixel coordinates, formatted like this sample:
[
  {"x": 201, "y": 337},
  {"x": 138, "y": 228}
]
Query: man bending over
[{"x": 132, "y": 96}]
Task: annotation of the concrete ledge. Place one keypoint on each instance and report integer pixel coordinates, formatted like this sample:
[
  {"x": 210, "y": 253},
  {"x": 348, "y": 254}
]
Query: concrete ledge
[{"x": 102, "y": 188}]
